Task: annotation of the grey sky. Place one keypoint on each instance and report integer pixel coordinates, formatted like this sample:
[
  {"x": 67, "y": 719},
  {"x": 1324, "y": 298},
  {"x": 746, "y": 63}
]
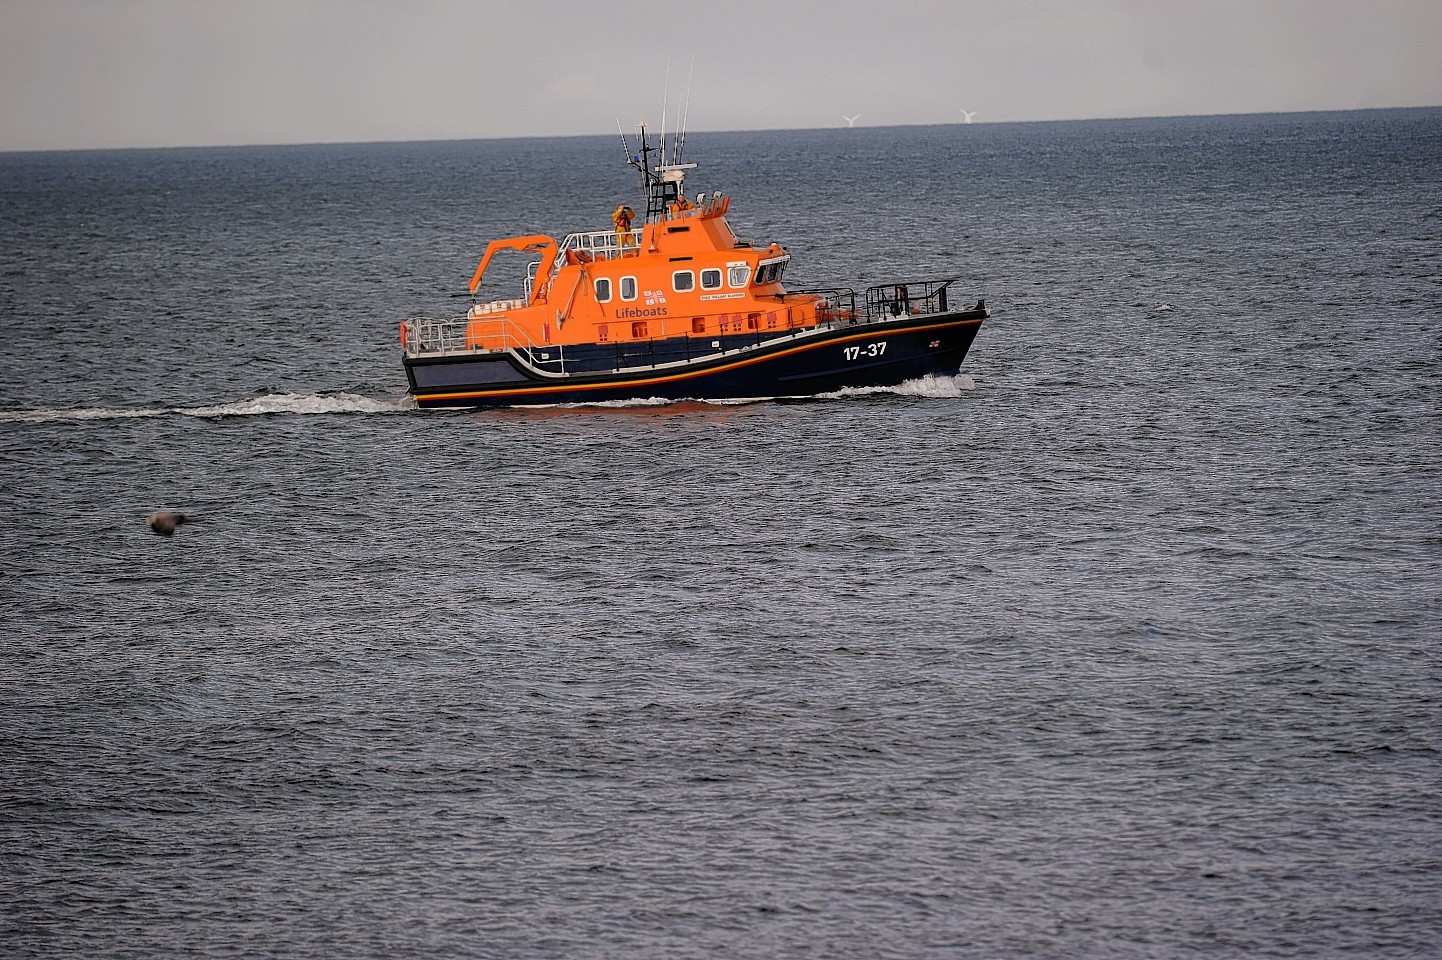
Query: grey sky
[{"x": 119, "y": 73}]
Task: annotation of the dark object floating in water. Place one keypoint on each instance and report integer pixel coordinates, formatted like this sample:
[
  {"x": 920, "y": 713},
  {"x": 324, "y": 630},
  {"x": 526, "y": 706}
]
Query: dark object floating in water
[{"x": 164, "y": 522}]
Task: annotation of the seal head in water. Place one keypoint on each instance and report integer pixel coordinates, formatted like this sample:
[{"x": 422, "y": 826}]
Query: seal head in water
[{"x": 164, "y": 522}]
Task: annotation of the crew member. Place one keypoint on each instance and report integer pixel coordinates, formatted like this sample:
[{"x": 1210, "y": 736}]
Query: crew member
[{"x": 622, "y": 219}]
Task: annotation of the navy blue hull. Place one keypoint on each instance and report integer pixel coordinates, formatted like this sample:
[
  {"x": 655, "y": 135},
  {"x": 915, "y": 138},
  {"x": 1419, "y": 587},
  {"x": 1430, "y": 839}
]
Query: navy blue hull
[{"x": 864, "y": 355}]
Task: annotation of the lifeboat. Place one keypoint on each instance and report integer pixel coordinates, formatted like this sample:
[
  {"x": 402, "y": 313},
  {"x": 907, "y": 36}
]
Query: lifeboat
[{"x": 673, "y": 305}]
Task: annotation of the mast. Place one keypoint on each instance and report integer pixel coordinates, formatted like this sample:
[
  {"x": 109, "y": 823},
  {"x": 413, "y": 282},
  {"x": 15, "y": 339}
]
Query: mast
[{"x": 663, "y": 183}]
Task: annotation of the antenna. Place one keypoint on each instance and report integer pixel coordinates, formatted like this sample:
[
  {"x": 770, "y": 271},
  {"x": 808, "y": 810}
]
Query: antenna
[
  {"x": 685, "y": 112},
  {"x": 665, "y": 95},
  {"x": 625, "y": 147}
]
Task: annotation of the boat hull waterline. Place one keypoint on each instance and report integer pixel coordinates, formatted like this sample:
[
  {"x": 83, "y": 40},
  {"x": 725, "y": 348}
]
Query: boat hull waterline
[{"x": 883, "y": 353}]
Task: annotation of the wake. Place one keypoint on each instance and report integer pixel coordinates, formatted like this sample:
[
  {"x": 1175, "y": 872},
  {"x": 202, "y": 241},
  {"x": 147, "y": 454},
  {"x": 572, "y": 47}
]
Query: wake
[
  {"x": 279, "y": 403},
  {"x": 937, "y": 388},
  {"x": 929, "y": 386},
  {"x": 305, "y": 404}
]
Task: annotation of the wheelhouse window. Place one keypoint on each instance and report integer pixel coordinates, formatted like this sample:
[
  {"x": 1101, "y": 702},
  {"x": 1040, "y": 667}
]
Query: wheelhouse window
[
  {"x": 711, "y": 279},
  {"x": 683, "y": 281},
  {"x": 628, "y": 288},
  {"x": 603, "y": 289},
  {"x": 770, "y": 272},
  {"x": 737, "y": 274}
]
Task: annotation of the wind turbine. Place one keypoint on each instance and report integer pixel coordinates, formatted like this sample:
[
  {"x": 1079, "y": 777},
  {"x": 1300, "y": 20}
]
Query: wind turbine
[
  {"x": 851, "y": 121},
  {"x": 966, "y": 115}
]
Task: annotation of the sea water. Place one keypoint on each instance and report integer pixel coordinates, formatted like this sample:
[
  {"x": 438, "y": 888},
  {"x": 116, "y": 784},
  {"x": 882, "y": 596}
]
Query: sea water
[{"x": 1124, "y": 643}]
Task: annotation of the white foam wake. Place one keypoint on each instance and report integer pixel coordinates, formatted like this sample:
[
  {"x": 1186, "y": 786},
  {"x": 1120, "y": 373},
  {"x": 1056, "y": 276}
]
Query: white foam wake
[
  {"x": 278, "y": 403},
  {"x": 638, "y": 403},
  {"x": 299, "y": 403},
  {"x": 928, "y": 386},
  {"x": 940, "y": 388}
]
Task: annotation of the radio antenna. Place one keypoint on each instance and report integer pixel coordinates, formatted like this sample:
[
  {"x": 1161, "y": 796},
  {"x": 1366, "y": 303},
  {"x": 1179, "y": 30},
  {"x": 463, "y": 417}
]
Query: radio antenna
[
  {"x": 625, "y": 147},
  {"x": 685, "y": 112},
  {"x": 665, "y": 96}
]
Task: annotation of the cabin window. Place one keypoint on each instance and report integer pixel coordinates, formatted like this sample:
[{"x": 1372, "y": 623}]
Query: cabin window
[
  {"x": 638, "y": 329},
  {"x": 628, "y": 288},
  {"x": 683, "y": 281},
  {"x": 710, "y": 279},
  {"x": 738, "y": 274},
  {"x": 770, "y": 272},
  {"x": 603, "y": 289},
  {"x": 698, "y": 324}
]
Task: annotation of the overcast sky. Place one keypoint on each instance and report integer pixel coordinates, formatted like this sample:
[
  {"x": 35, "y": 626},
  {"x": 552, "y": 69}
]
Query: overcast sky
[{"x": 122, "y": 73}]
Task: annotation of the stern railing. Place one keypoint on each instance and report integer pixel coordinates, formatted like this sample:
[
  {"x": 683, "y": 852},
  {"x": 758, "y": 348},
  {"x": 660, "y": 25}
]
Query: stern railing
[{"x": 428, "y": 335}]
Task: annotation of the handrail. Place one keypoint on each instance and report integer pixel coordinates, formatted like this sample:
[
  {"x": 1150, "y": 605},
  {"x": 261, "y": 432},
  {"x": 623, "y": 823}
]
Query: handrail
[
  {"x": 835, "y": 307},
  {"x": 431, "y": 336},
  {"x": 601, "y": 244},
  {"x": 907, "y": 297}
]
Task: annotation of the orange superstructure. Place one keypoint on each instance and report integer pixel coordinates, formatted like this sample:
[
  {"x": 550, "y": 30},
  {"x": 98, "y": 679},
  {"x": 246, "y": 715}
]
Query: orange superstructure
[{"x": 683, "y": 274}]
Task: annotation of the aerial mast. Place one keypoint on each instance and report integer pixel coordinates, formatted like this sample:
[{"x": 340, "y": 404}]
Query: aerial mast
[
  {"x": 663, "y": 182},
  {"x": 685, "y": 112},
  {"x": 665, "y": 97}
]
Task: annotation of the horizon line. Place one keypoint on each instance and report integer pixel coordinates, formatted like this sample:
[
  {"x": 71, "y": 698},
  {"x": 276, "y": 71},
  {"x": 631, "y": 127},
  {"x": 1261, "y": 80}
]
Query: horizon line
[{"x": 573, "y": 136}]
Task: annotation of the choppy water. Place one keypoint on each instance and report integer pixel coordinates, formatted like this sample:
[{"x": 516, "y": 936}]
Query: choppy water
[{"x": 1123, "y": 644}]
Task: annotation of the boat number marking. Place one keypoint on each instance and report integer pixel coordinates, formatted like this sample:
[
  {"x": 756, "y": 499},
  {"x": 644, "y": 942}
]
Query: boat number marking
[{"x": 866, "y": 350}]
